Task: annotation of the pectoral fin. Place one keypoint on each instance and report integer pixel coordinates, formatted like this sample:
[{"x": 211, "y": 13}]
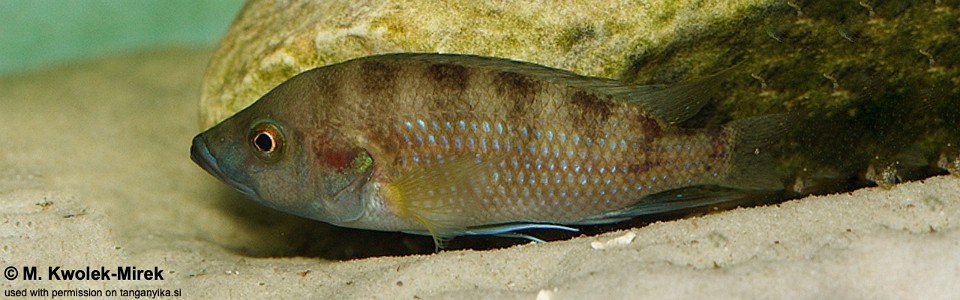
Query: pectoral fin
[{"x": 439, "y": 195}]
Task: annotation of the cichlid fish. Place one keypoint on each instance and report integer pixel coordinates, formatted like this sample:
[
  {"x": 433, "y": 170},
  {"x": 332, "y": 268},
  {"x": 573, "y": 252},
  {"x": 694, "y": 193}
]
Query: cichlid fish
[{"x": 450, "y": 145}]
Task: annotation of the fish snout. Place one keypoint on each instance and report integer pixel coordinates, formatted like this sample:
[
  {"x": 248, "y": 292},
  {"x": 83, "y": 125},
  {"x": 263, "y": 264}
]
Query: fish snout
[{"x": 201, "y": 155}]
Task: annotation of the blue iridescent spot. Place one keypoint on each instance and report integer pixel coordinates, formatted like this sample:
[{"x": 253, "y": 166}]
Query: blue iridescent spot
[
  {"x": 536, "y": 134},
  {"x": 463, "y": 125},
  {"x": 496, "y": 144},
  {"x": 422, "y": 124},
  {"x": 486, "y": 126},
  {"x": 431, "y": 139},
  {"x": 523, "y": 132},
  {"x": 549, "y": 135},
  {"x": 499, "y": 128}
]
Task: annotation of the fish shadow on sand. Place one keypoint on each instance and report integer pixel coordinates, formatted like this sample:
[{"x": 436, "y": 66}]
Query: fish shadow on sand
[{"x": 270, "y": 233}]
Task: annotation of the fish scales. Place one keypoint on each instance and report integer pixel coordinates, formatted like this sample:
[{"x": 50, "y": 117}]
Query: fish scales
[
  {"x": 505, "y": 118},
  {"x": 448, "y": 144}
]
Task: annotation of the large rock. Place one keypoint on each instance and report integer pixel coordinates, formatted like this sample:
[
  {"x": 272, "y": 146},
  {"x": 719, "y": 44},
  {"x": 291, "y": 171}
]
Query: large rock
[{"x": 875, "y": 84}]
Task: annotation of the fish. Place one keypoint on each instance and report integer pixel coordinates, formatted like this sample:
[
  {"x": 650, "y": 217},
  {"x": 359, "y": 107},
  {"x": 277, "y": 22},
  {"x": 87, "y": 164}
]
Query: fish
[{"x": 452, "y": 144}]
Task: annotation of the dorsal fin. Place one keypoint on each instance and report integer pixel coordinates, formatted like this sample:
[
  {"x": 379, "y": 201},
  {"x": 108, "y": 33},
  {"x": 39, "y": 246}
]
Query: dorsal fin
[{"x": 672, "y": 103}]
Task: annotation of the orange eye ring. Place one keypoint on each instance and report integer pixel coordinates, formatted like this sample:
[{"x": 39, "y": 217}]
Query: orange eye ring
[{"x": 266, "y": 140}]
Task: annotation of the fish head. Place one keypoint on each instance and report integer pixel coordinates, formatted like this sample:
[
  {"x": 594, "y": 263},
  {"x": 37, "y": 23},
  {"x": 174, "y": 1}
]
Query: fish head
[{"x": 280, "y": 155}]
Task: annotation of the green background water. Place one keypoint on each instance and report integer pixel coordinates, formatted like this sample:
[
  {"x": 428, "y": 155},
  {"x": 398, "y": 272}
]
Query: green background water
[{"x": 41, "y": 32}]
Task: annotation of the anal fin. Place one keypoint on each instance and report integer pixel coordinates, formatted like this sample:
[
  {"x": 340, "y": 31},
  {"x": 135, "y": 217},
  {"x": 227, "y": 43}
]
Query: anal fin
[{"x": 678, "y": 200}]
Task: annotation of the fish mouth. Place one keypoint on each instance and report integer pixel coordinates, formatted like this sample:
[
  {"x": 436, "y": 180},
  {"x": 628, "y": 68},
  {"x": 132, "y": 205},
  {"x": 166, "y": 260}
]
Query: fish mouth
[{"x": 200, "y": 154}]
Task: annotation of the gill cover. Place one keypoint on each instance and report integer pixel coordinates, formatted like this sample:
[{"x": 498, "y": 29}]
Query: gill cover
[{"x": 342, "y": 171}]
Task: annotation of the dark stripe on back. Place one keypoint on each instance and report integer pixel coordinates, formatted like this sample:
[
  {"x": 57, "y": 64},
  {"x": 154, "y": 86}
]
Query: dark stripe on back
[
  {"x": 649, "y": 128},
  {"x": 449, "y": 77},
  {"x": 519, "y": 88},
  {"x": 377, "y": 77},
  {"x": 449, "y": 82},
  {"x": 590, "y": 107}
]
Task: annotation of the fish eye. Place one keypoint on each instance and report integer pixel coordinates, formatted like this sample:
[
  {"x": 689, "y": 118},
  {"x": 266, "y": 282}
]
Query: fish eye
[{"x": 266, "y": 140}]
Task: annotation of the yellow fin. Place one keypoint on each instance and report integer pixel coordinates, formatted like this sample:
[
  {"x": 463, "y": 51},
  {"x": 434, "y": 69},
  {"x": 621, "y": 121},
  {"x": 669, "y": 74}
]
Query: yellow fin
[{"x": 440, "y": 196}]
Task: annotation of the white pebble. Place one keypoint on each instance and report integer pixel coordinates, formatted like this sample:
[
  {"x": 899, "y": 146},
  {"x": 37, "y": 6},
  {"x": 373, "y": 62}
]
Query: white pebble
[
  {"x": 547, "y": 294},
  {"x": 621, "y": 240}
]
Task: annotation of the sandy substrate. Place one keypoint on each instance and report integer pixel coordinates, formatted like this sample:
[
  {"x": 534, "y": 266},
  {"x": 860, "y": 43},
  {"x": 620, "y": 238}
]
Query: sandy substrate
[{"x": 95, "y": 171}]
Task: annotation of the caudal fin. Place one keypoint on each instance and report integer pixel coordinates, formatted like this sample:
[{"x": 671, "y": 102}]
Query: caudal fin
[{"x": 752, "y": 143}]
